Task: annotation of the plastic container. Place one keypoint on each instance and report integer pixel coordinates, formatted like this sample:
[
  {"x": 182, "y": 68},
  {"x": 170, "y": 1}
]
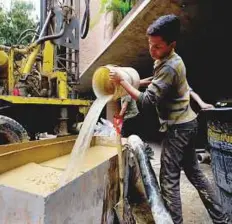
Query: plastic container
[
  {"x": 219, "y": 122},
  {"x": 103, "y": 86}
]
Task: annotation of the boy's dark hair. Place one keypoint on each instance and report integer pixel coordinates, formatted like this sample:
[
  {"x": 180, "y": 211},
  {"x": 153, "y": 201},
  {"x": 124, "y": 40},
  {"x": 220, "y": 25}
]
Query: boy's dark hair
[{"x": 167, "y": 26}]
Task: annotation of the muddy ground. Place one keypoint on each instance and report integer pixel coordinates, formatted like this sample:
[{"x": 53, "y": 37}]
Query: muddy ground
[{"x": 193, "y": 209}]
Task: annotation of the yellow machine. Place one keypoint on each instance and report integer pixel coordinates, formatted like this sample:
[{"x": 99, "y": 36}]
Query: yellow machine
[{"x": 37, "y": 82}]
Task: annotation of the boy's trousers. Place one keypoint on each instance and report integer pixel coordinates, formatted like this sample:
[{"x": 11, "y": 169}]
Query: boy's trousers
[{"x": 179, "y": 153}]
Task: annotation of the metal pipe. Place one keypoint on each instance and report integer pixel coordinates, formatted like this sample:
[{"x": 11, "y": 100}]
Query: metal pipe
[
  {"x": 30, "y": 61},
  {"x": 45, "y": 24},
  {"x": 63, "y": 125},
  {"x": 51, "y": 37},
  {"x": 203, "y": 157},
  {"x": 77, "y": 71},
  {"x": 36, "y": 35},
  {"x": 36, "y": 46},
  {"x": 17, "y": 50},
  {"x": 43, "y": 12},
  {"x": 4, "y": 48},
  {"x": 72, "y": 61},
  {"x": 151, "y": 186}
]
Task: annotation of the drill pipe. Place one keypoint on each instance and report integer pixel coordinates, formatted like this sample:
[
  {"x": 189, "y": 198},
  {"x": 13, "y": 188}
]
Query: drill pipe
[
  {"x": 151, "y": 186},
  {"x": 203, "y": 157}
]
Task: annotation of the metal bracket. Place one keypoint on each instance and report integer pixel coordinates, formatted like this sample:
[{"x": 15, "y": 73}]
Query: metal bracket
[{"x": 70, "y": 38}]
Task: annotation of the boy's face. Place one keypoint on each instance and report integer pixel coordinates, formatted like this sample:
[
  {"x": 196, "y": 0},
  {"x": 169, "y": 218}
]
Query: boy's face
[{"x": 158, "y": 48}]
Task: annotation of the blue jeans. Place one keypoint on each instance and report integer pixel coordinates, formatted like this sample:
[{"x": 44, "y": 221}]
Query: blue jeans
[{"x": 179, "y": 152}]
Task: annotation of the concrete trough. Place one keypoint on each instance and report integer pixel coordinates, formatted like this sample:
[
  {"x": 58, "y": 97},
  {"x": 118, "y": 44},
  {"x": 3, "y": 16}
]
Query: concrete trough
[{"x": 29, "y": 174}]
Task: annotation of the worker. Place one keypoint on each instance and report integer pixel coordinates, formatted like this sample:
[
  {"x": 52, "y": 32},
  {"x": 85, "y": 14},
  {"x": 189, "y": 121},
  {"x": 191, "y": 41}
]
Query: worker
[
  {"x": 130, "y": 112},
  {"x": 170, "y": 93}
]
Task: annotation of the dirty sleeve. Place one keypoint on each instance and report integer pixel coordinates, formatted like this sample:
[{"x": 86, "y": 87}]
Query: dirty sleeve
[{"x": 161, "y": 83}]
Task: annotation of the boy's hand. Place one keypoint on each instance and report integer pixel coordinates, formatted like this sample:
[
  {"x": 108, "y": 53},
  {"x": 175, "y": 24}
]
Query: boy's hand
[
  {"x": 148, "y": 78},
  {"x": 206, "y": 106},
  {"x": 115, "y": 77},
  {"x": 146, "y": 81}
]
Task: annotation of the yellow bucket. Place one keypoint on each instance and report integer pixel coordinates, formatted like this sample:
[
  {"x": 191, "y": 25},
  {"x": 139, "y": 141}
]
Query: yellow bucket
[{"x": 103, "y": 86}]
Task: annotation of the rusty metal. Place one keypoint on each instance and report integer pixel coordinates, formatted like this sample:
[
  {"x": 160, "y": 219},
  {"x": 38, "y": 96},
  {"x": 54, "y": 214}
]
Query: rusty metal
[{"x": 63, "y": 125}]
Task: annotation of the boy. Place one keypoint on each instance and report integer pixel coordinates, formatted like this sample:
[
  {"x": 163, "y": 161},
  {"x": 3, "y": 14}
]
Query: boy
[
  {"x": 170, "y": 93},
  {"x": 130, "y": 112}
]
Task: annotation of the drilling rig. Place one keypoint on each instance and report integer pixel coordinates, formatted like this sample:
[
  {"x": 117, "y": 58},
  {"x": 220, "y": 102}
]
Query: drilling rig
[{"x": 38, "y": 81}]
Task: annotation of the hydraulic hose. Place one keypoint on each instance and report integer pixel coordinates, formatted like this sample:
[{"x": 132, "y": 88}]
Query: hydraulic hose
[
  {"x": 151, "y": 186},
  {"x": 85, "y": 20}
]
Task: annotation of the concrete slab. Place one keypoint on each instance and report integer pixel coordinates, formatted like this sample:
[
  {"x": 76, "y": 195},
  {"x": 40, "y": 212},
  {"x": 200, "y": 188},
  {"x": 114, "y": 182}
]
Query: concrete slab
[
  {"x": 29, "y": 193},
  {"x": 18, "y": 207},
  {"x": 80, "y": 201}
]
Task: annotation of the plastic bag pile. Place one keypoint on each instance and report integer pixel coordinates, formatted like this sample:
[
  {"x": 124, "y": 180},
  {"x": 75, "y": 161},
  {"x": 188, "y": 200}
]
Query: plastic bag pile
[{"x": 104, "y": 128}]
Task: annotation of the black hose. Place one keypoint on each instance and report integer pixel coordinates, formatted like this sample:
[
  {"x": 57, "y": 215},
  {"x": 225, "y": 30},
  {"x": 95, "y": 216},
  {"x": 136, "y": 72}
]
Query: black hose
[
  {"x": 85, "y": 21},
  {"x": 51, "y": 37},
  {"x": 24, "y": 36},
  {"x": 151, "y": 186}
]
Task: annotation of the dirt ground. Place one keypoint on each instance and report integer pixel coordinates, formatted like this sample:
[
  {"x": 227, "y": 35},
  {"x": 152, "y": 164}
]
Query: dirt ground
[{"x": 193, "y": 209}]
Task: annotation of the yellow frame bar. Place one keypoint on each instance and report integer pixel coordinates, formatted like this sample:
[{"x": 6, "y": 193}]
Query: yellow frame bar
[{"x": 46, "y": 101}]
